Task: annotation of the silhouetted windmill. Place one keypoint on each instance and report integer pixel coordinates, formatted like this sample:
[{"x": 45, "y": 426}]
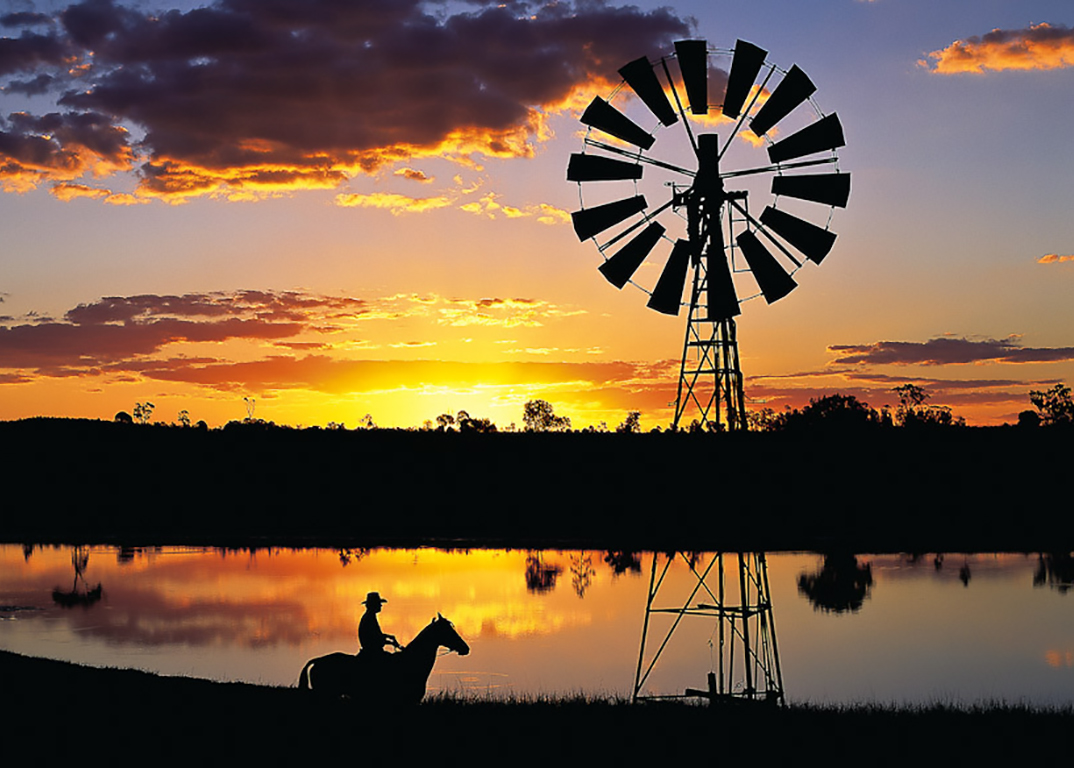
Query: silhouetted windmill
[{"x": 708, "y": 225}]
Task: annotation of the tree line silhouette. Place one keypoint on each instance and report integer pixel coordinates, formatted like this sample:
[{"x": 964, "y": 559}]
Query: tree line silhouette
[{"x": 835, "y": 412}]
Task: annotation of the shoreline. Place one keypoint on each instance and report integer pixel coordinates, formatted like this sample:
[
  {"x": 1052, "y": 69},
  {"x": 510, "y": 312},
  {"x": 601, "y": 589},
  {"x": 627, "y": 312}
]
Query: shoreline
[{"x": 63, "y": 706}]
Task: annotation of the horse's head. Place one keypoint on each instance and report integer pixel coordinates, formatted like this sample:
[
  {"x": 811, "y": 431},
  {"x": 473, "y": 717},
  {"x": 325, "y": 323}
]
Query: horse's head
[{"x": 448, "y": 637}]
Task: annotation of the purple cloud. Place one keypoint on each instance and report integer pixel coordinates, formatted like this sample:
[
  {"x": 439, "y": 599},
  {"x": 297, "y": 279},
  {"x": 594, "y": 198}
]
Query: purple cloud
[
  {"x": 301, "y": 93},
  {"x": 947, "y": 351}
]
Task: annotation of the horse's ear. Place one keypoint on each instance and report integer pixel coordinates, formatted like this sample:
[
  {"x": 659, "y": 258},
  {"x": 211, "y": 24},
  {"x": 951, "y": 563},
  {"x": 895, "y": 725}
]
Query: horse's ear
[{"x": 439, "y": 616}]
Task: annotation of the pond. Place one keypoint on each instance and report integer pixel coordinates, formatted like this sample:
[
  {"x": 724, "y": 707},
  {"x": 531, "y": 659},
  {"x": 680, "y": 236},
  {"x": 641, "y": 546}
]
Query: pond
[{"x": 866, "y": 628}]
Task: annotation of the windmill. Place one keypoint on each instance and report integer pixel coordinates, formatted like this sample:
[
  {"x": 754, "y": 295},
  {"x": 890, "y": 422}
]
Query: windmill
[{"x": 688, "y": 194}]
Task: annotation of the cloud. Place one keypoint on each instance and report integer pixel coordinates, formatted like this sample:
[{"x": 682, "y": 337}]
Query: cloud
[
  {"x": 947, "y": 351},
  {"x": 1040, "y": 46},
  {"x": 148, "y": 336},
  {"x": 1054, "y": 258},
  {"x": 68, "y": 191},
  {"x": 487, "y": 206},
  {"x": 412, "y": 174},
  {"x": 60, "y": 147},
  {"x": 500, "y": 313},
  {"x": 254, "y": 97},
  {"x": 393, "y": 202},
  {"x": 119, "y": 330}
]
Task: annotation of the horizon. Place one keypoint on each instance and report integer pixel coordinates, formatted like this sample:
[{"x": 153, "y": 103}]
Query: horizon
[{"x": 218, "y": 202}]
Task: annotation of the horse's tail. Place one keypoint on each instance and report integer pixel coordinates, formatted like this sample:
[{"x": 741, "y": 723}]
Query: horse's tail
[{"x": 304, "y": 677}]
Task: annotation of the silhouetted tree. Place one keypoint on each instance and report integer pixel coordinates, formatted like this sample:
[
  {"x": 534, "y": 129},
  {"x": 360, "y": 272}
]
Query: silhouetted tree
[
  {"x": 538, "y": 416},
  {"x": 123, "y": 418},
  {"x": 832, "y": 412},
  {"x": 142, "y": 412},
  {"x": 469, "y": 424},
  {"x": 1029, "y": 419},
  {"x": 445, "y": 422},
  {"x": 184, "y": 418},
  {"x": 840, "y": 585},
  {"x": 631, "y": 424},
  {"x": 764, "y": 420},
  {"x": 1055, "y": 405},
  {"x": 913, "y": 412}
]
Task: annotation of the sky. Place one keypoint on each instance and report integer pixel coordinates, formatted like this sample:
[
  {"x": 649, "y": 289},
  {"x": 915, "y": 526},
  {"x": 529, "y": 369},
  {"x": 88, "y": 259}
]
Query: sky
[{"x": 316, "y": 210}]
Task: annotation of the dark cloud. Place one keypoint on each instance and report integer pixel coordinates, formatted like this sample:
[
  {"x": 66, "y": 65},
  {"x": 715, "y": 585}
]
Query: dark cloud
[
  {"x": 34, "y": 87},
  {"x": 60, "y": 147},
  {"x": 947, "y": 351},
  {"x": 301, "y": 93},
  {"x": 123, "y": 329},
  {"x": 24, "y": 19},
  {"x": 31, "y": 50}
]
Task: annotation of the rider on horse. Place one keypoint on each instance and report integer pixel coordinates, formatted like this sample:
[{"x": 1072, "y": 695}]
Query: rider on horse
[{"x": 370, "y": 636}]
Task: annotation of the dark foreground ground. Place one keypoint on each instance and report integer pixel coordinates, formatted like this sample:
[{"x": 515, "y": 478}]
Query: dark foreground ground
[
  {"x": 55, "y": 711},
  {"x": 969, "y": 489}
]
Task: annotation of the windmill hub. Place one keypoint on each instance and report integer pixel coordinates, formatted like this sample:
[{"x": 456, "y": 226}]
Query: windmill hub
[{"x": 718, "y": 241}]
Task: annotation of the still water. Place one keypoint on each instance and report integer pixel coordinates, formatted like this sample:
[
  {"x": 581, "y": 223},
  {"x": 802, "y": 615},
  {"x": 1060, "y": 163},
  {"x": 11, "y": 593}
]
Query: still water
[{"x": 875, "y": 628}]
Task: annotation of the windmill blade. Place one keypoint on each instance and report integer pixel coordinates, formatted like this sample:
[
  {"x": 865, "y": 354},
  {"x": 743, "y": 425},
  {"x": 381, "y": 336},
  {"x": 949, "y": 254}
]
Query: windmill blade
[
  {"x": 604, "y": 117},
  {"x": 590, "y": 222},
  {"x": 667, "y": 295},
  {"x": 587, "y": 167},
  {"x": 823, "y": 135},
  {"x": 625, "y": 262},
  {"x": 827, "y": 188},
  {"x": 640, "y": 76},
  {"x": 772, "y": 279},
  {"x": 808, "y": 238},
  {"x": 795, "y": 88},
  {"x": 723, "y": 301},
  {"x": 693, "y": 59},
  {"x": 745, "y": 65}
]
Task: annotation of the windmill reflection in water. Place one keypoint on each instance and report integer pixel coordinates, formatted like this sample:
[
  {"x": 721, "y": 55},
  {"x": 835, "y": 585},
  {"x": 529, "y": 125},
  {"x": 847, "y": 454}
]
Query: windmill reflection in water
[{"x": 745, "y": 658}]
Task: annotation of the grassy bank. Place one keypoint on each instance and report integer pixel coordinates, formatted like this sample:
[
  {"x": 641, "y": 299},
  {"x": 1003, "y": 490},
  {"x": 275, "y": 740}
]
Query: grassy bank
[{"x": 59, "y": 710}]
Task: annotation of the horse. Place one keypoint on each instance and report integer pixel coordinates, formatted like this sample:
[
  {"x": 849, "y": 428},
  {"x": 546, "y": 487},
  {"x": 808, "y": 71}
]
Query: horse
[{"x": 389, "y": 678}]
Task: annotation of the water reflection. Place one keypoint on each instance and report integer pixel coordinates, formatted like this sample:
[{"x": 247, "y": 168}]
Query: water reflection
[
  {"x": 1056, "y": 569},
  {"x": 730, "y": 593},
  {"x": 80, "y": 593},
  {"x": 877, "y": 627},
  {"x": 540, "y": 576},
  {"x": 842, "y": 584}
]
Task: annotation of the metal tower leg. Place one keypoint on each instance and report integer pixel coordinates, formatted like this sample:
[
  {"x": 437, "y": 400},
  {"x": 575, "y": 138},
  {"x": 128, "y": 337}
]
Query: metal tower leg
[
  {"x": 746, "y": 660},
  {"x": 710, "y": 379}
]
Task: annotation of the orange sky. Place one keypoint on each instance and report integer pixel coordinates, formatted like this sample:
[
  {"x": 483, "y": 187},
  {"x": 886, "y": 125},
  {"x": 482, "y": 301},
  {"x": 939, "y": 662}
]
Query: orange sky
[{"x": 330, "y": 243}]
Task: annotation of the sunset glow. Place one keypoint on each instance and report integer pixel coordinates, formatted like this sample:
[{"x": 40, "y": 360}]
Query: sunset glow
[{"x": 343, "y": 210}]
